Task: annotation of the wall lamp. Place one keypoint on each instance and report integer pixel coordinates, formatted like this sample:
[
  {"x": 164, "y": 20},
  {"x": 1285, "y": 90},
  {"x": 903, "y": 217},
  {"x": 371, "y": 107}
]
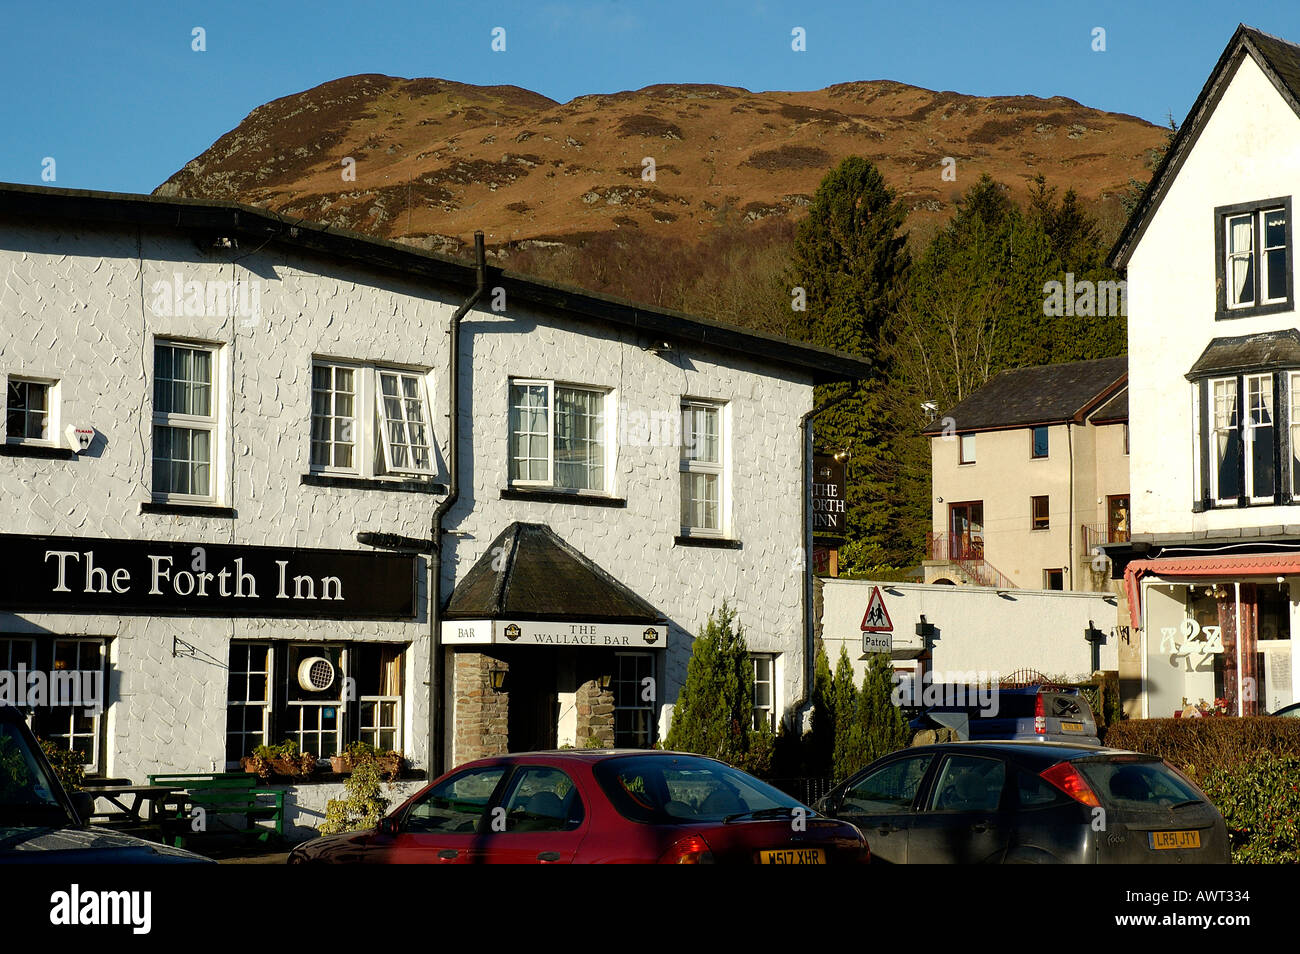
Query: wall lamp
[
  {"x": 605, "y": 680},
  {"x": 498, "y": 677}
]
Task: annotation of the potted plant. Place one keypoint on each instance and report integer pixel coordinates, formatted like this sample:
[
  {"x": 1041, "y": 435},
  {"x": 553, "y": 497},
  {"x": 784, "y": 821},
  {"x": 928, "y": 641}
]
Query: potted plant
[
  {"x": 388, "y": 762},
  {"x": 283, "y": 759}
]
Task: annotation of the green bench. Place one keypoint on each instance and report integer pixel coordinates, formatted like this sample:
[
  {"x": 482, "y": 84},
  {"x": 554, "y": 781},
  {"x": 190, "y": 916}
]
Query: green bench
[{"x": 220, "y": 795}]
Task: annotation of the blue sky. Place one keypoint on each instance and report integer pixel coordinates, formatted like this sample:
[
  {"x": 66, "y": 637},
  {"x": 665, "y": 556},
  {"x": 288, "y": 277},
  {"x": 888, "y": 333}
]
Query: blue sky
[{"x": 120, "y": 100}]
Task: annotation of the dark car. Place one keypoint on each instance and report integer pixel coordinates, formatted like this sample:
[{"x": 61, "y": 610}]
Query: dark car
[
  {"x": 41, "y": 824},
  {"x": 596, "y": 806},
  {"x": 1040, "y": 713},
  {"x": 1029, "y": 802},
  {"x": 1289, "y": 712}
]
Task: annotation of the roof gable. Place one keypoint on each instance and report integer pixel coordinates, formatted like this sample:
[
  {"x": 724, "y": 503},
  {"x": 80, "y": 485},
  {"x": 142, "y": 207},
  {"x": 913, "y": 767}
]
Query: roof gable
[
  {"x": 1278, "y": 59},
  {"x": 528, "y": 572}
]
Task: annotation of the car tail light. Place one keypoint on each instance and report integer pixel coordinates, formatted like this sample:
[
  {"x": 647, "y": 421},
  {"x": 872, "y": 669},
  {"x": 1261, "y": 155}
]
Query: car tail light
[
  {"x": 1040, "y": 716},
  {"x": 1068, "y": 779},
  {"x": 691, "y": 850},
  {"x": 864, "y": 853}
]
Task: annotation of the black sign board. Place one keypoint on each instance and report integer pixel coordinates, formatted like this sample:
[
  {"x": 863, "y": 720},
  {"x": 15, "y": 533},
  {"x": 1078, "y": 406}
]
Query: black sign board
[
  {"x": 829, "y": 508},
  {"x": 85, "y": 575}
]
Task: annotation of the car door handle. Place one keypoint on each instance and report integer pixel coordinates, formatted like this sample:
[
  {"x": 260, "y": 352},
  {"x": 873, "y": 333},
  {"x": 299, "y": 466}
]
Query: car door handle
[
  {"x": 980, "y": 826},
  {"x": 548, "y": 856},
  {"x": 447, "y": 854},
  {"x": 887, "y": 828}
]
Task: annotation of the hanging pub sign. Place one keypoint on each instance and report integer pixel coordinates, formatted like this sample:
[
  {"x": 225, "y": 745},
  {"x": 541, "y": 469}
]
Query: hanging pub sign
[
  {"x": 828, "y": 503},
  {"x": 89, "y": 575}
]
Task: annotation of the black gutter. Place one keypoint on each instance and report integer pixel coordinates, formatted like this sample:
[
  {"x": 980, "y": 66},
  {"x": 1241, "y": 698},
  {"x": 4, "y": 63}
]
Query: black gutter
[
  {"x": 437, "y": 672},
  {"x": 809, "y": 650}
]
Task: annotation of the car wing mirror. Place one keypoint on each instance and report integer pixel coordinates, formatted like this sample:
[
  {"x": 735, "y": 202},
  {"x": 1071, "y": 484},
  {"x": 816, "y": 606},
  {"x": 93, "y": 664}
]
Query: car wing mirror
[
  {"x": 83, "y": 803},
  {"x": 388, "y": 826}
]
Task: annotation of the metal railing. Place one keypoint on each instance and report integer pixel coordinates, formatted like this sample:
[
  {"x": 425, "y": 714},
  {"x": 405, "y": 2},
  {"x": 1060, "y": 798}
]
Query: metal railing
[
  {"x": 966, "y": 552},
  {"x": 1095, "y": 534}
]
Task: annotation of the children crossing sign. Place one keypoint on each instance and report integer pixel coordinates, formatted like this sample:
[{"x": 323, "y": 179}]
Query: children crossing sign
[{"x": 877, "y": 627}]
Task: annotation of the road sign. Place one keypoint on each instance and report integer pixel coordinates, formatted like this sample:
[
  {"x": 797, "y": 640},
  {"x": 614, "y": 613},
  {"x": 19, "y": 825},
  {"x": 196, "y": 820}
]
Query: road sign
[{"x": 877, "y": 618}]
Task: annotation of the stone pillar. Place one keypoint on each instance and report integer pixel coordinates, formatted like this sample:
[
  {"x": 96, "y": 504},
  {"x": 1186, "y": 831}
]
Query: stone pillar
[
  {"x": 595, "y": 714},
  {"x": 481, "y": 714}
]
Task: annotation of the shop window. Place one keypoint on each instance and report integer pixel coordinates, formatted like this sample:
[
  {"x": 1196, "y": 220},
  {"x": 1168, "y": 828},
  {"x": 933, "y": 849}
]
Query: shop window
[
  {"x": 559, "y": 436},
  {"x": 1217, "y": 648},
  {"x": 322, "y": 696},
  {"x": 703, "y": 469},
  {"x": 1040, "y": 519},
  {"x": 393, "y": 437},
  {"x": 634, "y": 701},
  {"x": 185, "y": 433},
  {"x": 31, "y": 412},
  {"x": 764, "y": 665}
]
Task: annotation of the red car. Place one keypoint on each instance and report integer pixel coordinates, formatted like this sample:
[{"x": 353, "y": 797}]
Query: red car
[{"x": 596, "y": 806}]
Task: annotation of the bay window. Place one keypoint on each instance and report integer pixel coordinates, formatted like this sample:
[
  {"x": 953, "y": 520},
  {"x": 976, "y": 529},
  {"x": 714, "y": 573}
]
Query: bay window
[
  {"x": 558, "y": 436},
  {"x": 1241, "y": 448}
]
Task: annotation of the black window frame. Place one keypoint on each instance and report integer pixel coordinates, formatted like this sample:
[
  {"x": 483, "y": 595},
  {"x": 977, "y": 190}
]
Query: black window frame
[
  {"x": 1221, "y": 215},
  {"x": 1284, "y": 490}
]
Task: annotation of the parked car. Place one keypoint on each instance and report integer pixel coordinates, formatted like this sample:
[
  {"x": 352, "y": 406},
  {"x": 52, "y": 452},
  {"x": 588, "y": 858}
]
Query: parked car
[
  {"x": 1029, "y": 802},
  {"x": 1289, "y": 712},
  {"x": 1042, "y": 713},
  {"x": 596, "y": 806},
  {"x": 41, "y": 824}
]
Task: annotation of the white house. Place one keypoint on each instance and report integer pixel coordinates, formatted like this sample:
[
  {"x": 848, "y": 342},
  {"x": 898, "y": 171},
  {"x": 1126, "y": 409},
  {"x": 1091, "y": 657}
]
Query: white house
[
  {"x": 1212, "y": 569},
  {"x": 244, "y": 548}
]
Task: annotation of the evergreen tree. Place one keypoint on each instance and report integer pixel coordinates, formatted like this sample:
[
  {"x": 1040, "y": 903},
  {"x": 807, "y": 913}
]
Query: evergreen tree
[
  {"x": 844, "y": 706},
  {"x": 714, "y": 714},
  {"x": 849, "y": 256},
  {"x": 820, "y": 741},
  {"x": 883, "y": 728}
]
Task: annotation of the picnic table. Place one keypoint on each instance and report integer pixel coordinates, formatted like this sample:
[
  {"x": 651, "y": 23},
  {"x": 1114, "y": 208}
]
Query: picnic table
[{"x": 137, "y": 805}]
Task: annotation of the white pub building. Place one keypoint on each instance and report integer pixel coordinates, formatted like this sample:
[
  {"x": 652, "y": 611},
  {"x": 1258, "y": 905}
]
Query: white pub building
[{"x": 274, "y": 480}]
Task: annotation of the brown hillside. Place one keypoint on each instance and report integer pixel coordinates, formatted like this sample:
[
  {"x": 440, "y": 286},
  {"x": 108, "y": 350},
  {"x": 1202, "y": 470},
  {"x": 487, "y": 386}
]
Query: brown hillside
[{"x": 436, "y": 160}]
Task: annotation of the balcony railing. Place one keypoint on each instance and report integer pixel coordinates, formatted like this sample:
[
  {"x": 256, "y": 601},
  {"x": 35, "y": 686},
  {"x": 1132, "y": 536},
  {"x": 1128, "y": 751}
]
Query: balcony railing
[
  {"x": 966, "y": 552},
  {"x": 1095, "y": 534}
]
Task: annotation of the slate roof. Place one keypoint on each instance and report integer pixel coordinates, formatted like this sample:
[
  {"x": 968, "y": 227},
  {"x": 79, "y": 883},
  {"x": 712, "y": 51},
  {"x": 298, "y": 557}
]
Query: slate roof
[
  {"x": 1113, "y": 411},
  {"x": 528, "y": 572},
  {"x": 1046, "y": 394},
  {"x": 1261, "y": 352},
  {"x": 1280, "y": 61}
]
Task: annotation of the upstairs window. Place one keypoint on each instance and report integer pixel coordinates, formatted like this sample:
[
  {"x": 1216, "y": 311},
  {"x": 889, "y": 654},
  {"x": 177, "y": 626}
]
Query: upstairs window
[
  {"x": 30, "y": 408},
  {"x": 703, "y": 469},
  {"x": 558, "y": 436},
  {"x": 1039, "y": 443},
  {"x": 368, "y": 421},
  {"x": 184, "y": 421},
  {"x": 966, "y": 449},
  {"x": 1240, "y": 446},
  {"x": 1255, "y": 259}
]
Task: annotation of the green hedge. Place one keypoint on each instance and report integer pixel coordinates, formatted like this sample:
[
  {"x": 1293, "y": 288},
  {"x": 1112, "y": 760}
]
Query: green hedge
[{"x": 1249, "y": 767}]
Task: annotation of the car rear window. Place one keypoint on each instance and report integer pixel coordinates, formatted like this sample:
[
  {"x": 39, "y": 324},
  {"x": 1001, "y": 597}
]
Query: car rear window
[
  {"x": 1136, "y": 785},
  {"x": 665, "y": 790}
]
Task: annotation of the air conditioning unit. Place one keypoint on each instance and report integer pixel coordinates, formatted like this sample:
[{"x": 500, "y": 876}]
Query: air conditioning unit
[{"x": 315, "y": 674}]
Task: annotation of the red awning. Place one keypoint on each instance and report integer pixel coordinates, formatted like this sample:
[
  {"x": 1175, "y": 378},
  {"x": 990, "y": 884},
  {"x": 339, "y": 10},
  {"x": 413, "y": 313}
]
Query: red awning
[{"x": 1258, "y": 564}]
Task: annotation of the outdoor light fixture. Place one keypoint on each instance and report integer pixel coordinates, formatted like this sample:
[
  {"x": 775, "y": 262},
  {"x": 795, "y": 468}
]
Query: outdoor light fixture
[
  {"x": 842, "y": 456},
  {"x": 605, "y": 680},
  {"x": 660, "y": 347},
  {"x": 498, "y": 679}
]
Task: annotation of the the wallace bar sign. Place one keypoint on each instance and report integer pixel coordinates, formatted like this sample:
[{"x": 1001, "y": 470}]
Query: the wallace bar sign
[
  {"x": 85, "y": 575},
  {"x": 828, "y": 504}
]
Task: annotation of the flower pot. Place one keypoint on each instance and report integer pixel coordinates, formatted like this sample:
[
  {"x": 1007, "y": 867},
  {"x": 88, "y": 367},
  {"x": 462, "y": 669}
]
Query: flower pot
[{"x": 340, "y": 764}]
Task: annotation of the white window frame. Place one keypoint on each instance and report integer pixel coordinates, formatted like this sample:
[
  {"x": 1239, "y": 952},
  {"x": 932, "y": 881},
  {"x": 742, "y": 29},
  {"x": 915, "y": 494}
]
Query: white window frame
[
  {"x": 1256, "y": 255},
  {"x": 243, "y": 702},
  {"x": 210, "y": 422},
  {"x": 412, "y": 469},
  {"x": 1210, "y": 444},
  {"x": 642, "y": 665},
  {"x": 360, "y": 438},
  {"x": 692, "y": 465},
  {"x": 371, "y": 448},
  {"x": 606, "y": 431},
  {"x": 1248, "y": 434},
  {"x": 67, "y": 714},
  {"x": 771, "y": 707},
  {"x": 53, "y": 419}
]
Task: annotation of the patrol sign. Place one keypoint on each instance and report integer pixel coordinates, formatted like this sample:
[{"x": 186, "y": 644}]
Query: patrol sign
[{"x": 877, "y": 627}]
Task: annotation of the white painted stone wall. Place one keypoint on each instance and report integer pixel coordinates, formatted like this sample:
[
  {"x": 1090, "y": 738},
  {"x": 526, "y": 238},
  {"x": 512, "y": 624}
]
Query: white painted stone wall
[
  {"x": 976, "y": 630},
  {"x": 1249, "y": 150},
  {"x": 75, "y": 305}
]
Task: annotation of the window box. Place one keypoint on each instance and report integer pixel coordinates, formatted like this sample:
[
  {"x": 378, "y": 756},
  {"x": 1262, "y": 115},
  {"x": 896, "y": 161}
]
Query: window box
[{"x": 1254, "y": 258}]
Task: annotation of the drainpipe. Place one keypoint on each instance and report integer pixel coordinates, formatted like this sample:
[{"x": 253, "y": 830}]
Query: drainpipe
[
  {"x": 809, "y": 650},
  {"x": 1069, "y": 533},
  {"x": 437, "y": 674}
]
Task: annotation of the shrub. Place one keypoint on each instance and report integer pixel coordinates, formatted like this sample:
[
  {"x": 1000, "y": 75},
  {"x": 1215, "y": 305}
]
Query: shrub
[
  {"x": 1206, "y": 744},
  {"x": 66, "y": 764},
  {"x": 1260, "y": 801},
  {"x": 715, "y": 709},
  {"x": 363, "y": 803}
]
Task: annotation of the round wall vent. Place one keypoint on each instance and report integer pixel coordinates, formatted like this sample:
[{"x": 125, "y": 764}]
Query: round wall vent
[{"x": 315, "y": 674}]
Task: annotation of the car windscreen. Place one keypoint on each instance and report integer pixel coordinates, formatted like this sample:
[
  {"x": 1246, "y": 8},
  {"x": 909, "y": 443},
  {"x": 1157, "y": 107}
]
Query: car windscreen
[
  {"x": 28, "y": 796},
  {"x": 1136, "y": 784},
  {"x": 666, "y": 790}
]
